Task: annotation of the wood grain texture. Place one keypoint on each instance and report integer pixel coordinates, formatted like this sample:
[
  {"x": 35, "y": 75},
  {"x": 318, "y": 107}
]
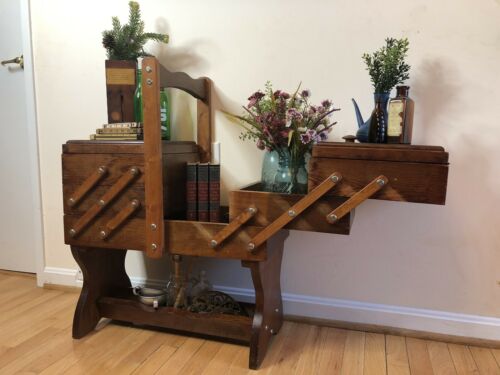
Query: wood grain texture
[
  {"x": 374, "y": 362},
  {"x": 462, "y": 360},
  {"x": 106, "y": 199},
  {"x": 397, "y": 357},
  {"x": 442, "y": 363},
  {"x": 47, "y": 346},
  {"x": 418, "y": 356},
  {"x": 153, "y": 171},
  {"x": 354, "y": 353},
  {"x": 268, "y": 316},
  {"x": 88, "y": 184},
  {"x": 125, "y": 147},
  {"x": 408, "y": 182},
  {"x": 271, "y": 205},
  {"x": 204, "y": 124},
  {"x": 366, "y": 192},
  {"x": 382, "y": 152},
  {"x": 485, "y": 361},
  {"x": 296, "y": 210},
  {"x": 120, "y": 218},
  {"x": 233, "y": 226},
  {"x": 181, "y": 237}
]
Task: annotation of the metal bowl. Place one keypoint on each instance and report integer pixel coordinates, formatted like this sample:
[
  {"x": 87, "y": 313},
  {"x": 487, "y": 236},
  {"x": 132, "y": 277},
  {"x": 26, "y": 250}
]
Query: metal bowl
[{"x": 150, "y": 296}]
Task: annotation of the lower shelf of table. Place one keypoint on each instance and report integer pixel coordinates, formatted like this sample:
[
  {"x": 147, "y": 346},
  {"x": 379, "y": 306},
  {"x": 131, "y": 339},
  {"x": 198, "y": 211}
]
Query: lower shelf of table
[{"x": 233, "y": 327}]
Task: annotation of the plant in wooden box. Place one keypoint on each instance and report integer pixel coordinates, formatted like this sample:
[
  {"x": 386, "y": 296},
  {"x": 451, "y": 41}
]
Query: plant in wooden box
[
  {"x": 387, "y": 68},
  {"x": 286, "y": 126},
  {"x": 124, "y": 44}
]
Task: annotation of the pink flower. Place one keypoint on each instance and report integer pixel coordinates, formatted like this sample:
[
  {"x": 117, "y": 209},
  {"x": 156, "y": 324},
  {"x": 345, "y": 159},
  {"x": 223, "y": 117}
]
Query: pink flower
[{"x": 260, "y": 144}]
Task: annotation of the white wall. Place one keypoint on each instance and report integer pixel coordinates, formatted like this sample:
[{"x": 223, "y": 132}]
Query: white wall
[{"x": 444, "y": 258}]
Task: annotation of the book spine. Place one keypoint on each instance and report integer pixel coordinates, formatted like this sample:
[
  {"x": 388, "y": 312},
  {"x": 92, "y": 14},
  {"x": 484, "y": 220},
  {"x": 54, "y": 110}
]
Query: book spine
[
  {"x": 203, "y": 197},
  {"x": 191, "y": 192},
  {"x": 119, "y": 131},
  {"x": 123, "y": 125},
  {"x": 214, "y": 193}
]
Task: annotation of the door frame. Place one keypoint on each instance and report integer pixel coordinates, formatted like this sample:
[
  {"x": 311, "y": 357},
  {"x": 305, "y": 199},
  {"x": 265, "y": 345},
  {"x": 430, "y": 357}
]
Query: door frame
[{"x": 31, "y": 112}]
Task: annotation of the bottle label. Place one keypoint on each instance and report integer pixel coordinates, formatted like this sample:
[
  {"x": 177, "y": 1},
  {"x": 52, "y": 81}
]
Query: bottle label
[
  {"x": 163, "y": 114},
  {"x": 395, "y": 115}
]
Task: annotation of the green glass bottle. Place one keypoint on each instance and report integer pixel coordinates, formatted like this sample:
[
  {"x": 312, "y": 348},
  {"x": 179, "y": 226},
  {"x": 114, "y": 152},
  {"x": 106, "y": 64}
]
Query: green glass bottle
[
  {"x": 164, "y": 115},
  {"x": 138, "y": 98}
]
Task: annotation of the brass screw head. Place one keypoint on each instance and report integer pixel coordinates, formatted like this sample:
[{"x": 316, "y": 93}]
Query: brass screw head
[
  {"x": 134, "y": 171},
  {"x": 101, "y": 169},
  {"x": 153, "y": 226},
  {"x": 134, "y": 203},
  {"x": 154, "y": 246},
  {"x": 71, "y": 201},
  {"x": 251, "y": 246},
  {"x": 148, "y": 69},
  {"x": 103, "y": 233},
  {"x": 332, "y": 217},
  {"x": 149, "y": 81},
  {"x": 252, "y": 210},
  {"x": 291, "y": 213},
  {"x": 72, "y": 232},
  {"x": 335, "y": 178},
  {"x": 380, "y": 182},
  {"x": 101, "y": 202},
  {"x": 213, "y": 243}
]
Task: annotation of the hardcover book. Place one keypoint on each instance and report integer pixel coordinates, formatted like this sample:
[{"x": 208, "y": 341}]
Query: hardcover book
[
  {"x": 191, "y": 191},
  {"x": 203, "y": 196},
  {"x": 214, "y": 192}
]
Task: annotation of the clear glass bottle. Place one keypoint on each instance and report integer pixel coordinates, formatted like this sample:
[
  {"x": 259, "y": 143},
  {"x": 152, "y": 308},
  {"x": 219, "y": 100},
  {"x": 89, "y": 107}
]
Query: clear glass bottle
[
  {"x": 164, "y": 115},
  {"x": 400, "y": 124}
]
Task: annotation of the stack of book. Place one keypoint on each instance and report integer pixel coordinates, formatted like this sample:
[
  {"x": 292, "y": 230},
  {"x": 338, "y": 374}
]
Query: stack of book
[
  {"x": 120, "y": 131},
  {"x": 203, "y": 192}
]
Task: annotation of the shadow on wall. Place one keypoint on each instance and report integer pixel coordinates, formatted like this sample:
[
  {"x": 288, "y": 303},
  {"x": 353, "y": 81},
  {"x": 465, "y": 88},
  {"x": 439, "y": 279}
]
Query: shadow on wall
[{"x": 437, "y": 95}]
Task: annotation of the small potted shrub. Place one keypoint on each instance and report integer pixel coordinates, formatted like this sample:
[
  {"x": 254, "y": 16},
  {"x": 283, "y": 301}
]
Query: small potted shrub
[{"x": 124, "y": 44}]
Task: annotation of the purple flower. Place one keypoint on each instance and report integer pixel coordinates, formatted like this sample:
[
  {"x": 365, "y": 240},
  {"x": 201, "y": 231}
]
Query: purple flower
[
  {"x": 284, "y": 95},
  {"x": 293, "y": 114},
  {"x": 260, "y": 144},
  {"x": 305, "y": 93},
  {"x": 305, "y": 138},
  {"x": 254, "y": 99},
  {"x": 312, "y": 109},
  {"x": 323, "y": 136},
  {"x": 326, "y": 103},
  {"x": 276, "y": 94}
]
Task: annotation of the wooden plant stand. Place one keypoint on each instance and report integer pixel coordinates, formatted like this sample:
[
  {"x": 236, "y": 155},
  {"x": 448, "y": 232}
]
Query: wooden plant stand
[{"x": 131, "y": 195}]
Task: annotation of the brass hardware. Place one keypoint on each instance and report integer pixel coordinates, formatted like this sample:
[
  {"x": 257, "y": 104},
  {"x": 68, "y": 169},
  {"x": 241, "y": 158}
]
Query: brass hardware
[
  {"x": 213, "y": 243},
  {"x": 16, "y": 60},
  {"x": 148, "y": 69},
  {"x": 72, "y": 232},
  {"x": 154, "y": 246},
  {"x": 291, "y": 213},
  {"x": 153, "y": 226},
  {"x": 251, "y": 246},
  {"x": 149, "y": 81},
  {"x": 103, "y": 234},
  {"x": 252, "y": 210}
]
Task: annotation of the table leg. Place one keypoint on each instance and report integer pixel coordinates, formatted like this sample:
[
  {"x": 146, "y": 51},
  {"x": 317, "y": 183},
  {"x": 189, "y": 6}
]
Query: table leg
[
  {"x": 268, "y": 317},
  {"x": 103, "y": 272}
]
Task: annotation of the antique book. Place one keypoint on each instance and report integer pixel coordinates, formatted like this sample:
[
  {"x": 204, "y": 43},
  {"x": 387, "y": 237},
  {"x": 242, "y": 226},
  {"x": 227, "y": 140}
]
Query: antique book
[
  {"x": 203, "y": 196},
  {"x": 191, "y": 191},
  {"x": 214, "y": 192}
]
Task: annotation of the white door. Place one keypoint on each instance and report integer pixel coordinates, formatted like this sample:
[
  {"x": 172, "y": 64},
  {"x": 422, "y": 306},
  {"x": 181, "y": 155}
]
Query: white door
[{"x": 19, "y": 214}]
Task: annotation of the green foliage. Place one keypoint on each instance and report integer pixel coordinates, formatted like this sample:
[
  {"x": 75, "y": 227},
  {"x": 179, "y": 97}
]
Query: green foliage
[
  {"x": 126, "y": 42},
  {"x": 387, "y": 66}
]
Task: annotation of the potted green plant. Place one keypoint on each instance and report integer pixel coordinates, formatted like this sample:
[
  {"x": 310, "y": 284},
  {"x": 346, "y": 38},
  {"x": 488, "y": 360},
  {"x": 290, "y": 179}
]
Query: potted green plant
[
  {"x": 124, "y": 44},
  {"x": 286, "y": 127},
  {"x": 387, "y": 68}
]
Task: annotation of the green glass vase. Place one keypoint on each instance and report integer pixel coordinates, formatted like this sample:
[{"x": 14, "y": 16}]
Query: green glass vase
[{"x": 285, "y": 172}]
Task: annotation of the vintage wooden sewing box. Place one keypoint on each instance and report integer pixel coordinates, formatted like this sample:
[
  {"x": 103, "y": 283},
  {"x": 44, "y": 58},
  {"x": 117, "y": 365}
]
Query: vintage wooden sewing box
[{"x": 130, "y": 195}]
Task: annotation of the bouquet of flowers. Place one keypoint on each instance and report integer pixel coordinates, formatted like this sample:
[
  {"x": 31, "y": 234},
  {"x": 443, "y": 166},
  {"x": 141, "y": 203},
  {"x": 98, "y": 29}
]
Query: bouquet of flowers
[{"x": 286, "y": 123}]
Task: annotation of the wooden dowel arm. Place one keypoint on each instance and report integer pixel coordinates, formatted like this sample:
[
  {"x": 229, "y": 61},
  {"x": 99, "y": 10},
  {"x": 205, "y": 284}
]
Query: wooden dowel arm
[
  {"x": 358, "y": 198},
  {"x": 294, "y": 211},
  {"x": 120, "y": 218},
  {"x": 112, "y": 192},
  {"x": 233, "y": 226},
  {"x": 88, "y": 184}
]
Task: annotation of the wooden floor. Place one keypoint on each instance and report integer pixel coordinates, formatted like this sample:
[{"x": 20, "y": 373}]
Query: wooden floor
[{"x": 35, "y": 337}]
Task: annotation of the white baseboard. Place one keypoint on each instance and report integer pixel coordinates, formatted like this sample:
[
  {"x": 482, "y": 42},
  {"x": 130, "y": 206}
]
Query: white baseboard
[{"x": 442, "y": 322}]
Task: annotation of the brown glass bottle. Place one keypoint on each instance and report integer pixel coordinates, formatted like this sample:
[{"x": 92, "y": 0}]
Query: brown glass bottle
[
  {"x": 400, "y": 117},
  {"x": 378, "y": 129}
]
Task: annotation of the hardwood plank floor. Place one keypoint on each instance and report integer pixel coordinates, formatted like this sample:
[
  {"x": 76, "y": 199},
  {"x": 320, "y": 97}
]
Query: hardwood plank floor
[{"x": 35, "y": 338}]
